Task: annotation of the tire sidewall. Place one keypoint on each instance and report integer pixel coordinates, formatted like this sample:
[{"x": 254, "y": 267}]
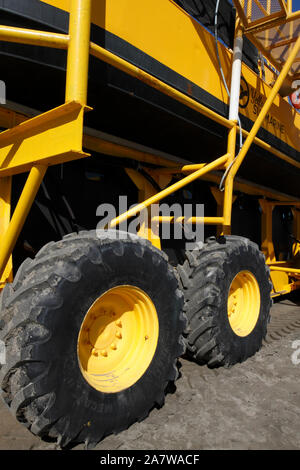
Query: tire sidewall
[{"x": 242, "y": 259}]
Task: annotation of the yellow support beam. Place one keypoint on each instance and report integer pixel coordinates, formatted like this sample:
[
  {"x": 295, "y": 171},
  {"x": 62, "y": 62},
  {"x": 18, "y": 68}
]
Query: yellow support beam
[
  {"x": 50, "y": 138},
  {"x": 11, "y": 234},
  {"x": 146, "y": 190},
  {"x": 78, "y": 51},
  {"x": 33, "y": 37},
  {"x": 219, "y": 163},
  {"x": 5, "y": 193},
  {"x": 267, "y": 246}
]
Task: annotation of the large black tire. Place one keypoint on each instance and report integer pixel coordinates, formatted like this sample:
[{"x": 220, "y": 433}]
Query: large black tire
[
  {"x": 41, "y": 315},
  {"x": 206, "y": 277}
]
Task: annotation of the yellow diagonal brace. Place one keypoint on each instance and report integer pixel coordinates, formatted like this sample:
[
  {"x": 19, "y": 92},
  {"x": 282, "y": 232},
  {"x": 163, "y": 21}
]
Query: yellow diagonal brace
[
  {"x": 5, "y": 192},
  {"x": 14, "y": 228},
  {"x": 220, "y": 162},
  {"x": 261, "y": 117}
]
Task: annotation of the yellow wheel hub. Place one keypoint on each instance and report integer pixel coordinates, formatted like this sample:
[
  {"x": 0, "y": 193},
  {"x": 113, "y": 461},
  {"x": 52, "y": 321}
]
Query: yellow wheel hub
[
  {"x": 118, "y": 339},
  {"x": 243, "y": 303}
]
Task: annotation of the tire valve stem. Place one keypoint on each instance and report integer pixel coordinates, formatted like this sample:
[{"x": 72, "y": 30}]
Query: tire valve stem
[{"x": 146, "y": 337}]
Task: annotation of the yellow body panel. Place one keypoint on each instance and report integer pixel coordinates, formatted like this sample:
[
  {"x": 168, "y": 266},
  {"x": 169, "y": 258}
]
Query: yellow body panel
[{"x": 168, "y": 34}]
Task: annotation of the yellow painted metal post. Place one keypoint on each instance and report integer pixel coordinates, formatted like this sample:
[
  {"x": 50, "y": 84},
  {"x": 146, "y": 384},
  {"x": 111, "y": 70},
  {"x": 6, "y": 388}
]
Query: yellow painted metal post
[
  {"x": 267, "y": 246},
  {"x": 228, "y": 191},
  {"x": 78, "y": 51},
  {"x": 233, "y": 116},
  {"x": 146, "y": 190},
  {"x": 296, "y": 245},
  {"x": 21, "y": 211},
  {"x": 5, "y": 194}
]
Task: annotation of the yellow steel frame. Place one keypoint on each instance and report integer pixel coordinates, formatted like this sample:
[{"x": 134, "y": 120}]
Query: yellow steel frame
[{"x": 57, "y": 136}]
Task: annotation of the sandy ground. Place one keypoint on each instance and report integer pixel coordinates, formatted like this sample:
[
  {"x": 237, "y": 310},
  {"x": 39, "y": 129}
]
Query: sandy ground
[{"x": 254, "y": 405}]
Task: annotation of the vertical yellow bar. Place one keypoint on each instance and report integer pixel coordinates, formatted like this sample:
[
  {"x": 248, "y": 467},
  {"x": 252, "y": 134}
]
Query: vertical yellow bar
[
  {"x": 267, "y": 246},
  {"x": 5, "y": 194},
  {"x": 78, "y": 51},
  {"x": 296, "y": 245},
  {"x": 228, "y": 191},
  {"x": 249, "y": 10},
  {"x": 22, "y": 209},
  {"x": 289, "y": 5}
]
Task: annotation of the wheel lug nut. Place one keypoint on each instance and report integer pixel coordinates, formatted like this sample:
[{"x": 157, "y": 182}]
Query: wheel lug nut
[
  {"x": 119, "y": 323},
  {"x": 119, "y": 335},
  {"x": 95, "y": 352},
  {"x": 113, "y": 346},
  {"x": 103, "y": 353}
]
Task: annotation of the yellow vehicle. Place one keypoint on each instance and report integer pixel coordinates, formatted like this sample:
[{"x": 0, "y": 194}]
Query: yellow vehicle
[{"x": 179, "y": 101}]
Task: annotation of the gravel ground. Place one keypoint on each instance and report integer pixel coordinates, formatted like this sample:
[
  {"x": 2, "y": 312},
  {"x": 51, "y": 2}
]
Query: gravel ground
[{"x": 254, "y": 405}]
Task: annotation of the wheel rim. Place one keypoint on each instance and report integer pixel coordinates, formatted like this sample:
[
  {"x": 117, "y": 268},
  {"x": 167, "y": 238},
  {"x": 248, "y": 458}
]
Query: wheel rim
[
  {"x": 243, "y": 303},
  {"x": 118, "y": 339}
]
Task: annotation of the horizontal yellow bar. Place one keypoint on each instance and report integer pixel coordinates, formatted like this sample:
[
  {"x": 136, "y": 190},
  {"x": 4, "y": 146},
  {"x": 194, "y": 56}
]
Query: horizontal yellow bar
[
  {"x": 171, "y": 189},
  {"x": 285, "y": 270},
  {"x": 50, "y": 138},
  {"x": 33, "y": 37},
  {"x": 191, "y": 220},
  {"x": 132, "y": 70},
  {"x": 283, "y": 203},
  {"x": 117, "y": 150},
  {"x": 179, "y": 169}
]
